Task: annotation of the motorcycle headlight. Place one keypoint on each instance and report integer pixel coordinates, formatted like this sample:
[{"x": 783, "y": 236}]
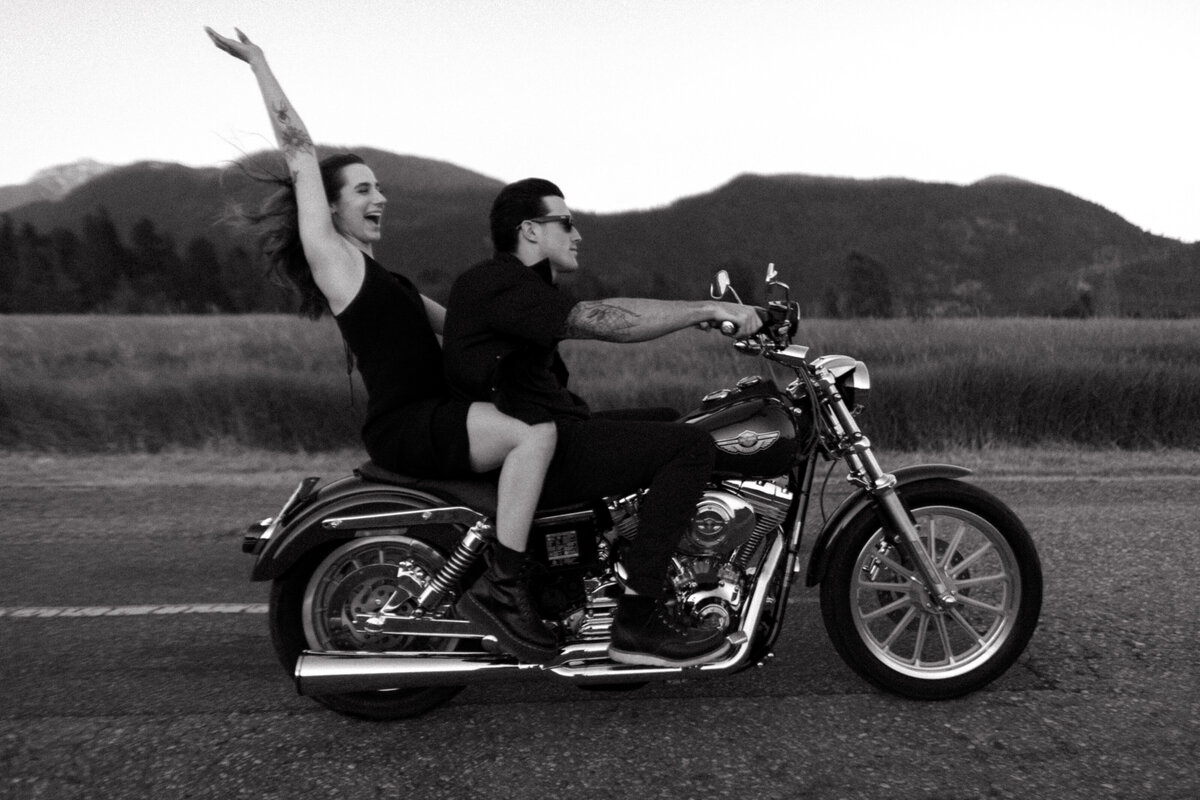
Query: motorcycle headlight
[
  {"x": 851, "y": 377},
  {"x": 855, "y": 385}
]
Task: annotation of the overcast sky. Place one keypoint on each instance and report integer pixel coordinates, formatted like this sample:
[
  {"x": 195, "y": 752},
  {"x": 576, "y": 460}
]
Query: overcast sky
[{"x": 635, "y": 104}]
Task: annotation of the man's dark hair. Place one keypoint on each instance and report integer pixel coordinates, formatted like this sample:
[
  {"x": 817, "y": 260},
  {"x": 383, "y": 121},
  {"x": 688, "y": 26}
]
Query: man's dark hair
[{"x": 516, "y": 203}]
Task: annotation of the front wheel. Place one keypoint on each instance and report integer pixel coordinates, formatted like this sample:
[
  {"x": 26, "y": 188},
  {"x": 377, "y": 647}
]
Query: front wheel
[
  {"x": 885, "y": 625},
  {"x": 313, "y": 608}
]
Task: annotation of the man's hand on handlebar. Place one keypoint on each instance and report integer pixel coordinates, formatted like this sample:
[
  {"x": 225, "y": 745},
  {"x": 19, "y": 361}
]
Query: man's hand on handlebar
[{"x": 734, "y": 319}]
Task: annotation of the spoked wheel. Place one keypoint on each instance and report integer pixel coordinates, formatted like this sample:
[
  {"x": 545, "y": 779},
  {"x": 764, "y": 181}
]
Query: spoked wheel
[
  {"x": 313, "y": 608},
  {"x": 886, "y": 626}
]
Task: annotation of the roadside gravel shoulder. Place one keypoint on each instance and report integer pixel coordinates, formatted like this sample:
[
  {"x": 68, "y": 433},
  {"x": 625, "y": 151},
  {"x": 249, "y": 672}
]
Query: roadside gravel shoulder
[
  {"x": 194, "y": 467},
  {"x": 240, "y": 467}
]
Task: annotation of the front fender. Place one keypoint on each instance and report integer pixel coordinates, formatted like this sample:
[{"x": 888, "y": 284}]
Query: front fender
[
  {"x": 859, "y": 500},
  {"x": 349, "y": 497}
]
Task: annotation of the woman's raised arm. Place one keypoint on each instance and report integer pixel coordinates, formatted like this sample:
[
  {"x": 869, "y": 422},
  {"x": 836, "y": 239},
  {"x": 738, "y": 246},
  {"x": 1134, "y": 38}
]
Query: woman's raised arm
[{"x": 336, "y": 267}]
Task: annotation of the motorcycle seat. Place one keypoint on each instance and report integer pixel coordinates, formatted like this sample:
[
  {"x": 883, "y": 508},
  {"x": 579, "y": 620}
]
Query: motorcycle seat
[{"x": 477, "y": 494}]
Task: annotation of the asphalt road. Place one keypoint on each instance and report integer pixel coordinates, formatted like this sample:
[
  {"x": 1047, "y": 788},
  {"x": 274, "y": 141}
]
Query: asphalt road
[{"x": 177, "y": 693}]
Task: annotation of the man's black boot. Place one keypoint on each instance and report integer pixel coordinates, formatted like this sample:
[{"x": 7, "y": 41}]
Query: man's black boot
[
  {"x": 500, "y": 602},
  {"x": 645, "y": 632}
]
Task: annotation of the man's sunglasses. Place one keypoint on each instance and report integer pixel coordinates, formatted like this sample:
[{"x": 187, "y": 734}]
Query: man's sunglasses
[{"x": 565, "y": 220}]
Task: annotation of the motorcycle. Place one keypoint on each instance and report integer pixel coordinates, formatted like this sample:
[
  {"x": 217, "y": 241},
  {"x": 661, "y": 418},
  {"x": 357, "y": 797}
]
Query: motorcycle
[{"x": 930, "y": 587}]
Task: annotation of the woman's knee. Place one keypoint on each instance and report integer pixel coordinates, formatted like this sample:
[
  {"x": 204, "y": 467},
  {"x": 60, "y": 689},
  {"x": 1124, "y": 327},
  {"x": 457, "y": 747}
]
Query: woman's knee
[
  {"x": 494, "y": 436},
  {"x": 542, "y": 437}
]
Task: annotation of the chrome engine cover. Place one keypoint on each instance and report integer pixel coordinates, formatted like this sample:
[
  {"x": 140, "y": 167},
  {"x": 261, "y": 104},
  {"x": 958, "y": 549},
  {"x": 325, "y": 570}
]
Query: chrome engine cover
[
  {"x": 723, "y": 522},
  {"x": 711, "y": 572}
]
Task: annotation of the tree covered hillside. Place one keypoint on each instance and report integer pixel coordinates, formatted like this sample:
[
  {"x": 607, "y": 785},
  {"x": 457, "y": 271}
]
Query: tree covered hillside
[{"x": 151, "y": 237}]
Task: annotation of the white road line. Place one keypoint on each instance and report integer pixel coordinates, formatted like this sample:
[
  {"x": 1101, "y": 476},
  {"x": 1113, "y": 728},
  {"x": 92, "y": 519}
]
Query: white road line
[
  {"x": 43, "y": 612},
  {"x": 49, "y": 612}
]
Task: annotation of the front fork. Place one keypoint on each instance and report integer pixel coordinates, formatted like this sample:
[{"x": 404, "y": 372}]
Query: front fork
[{"x": 865, "y": 471}]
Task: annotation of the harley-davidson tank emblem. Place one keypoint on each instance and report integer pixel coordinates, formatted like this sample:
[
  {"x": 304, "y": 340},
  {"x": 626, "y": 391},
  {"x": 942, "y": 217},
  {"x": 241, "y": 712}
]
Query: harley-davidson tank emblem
[{"x": 748, "y": 443}]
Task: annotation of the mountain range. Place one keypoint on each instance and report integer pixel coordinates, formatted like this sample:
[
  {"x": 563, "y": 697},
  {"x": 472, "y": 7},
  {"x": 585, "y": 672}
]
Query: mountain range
[
  {"x": 1000, "y": 246},
  {"x": 51, "y": 183}
]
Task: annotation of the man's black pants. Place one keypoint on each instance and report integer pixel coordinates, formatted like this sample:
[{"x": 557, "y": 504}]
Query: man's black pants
[{"x": 619, "y": 452}]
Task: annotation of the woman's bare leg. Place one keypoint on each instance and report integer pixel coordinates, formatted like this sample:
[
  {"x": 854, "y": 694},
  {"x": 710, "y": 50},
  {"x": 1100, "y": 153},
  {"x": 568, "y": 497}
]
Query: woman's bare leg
[
  {"x": 523, "y": 453},
  {"x": 501, "y": 599}
]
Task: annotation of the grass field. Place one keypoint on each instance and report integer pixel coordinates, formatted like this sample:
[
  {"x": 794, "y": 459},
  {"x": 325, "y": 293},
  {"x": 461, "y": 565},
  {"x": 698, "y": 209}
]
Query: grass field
[{"x": 145, "y": 384}]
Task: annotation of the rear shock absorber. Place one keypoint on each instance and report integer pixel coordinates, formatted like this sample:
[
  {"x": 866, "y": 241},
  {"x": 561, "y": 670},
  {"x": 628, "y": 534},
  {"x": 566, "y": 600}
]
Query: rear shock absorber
[{"x": 464, "y": 555}]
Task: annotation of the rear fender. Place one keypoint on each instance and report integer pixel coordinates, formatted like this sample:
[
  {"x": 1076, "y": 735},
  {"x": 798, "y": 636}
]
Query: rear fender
[
  {"x": 859, "y": 500},
  {"x": 352, "y": 498}
]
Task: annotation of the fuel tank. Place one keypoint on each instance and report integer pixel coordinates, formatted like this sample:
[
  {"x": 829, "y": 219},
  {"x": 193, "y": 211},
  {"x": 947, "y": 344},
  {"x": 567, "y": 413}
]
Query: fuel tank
[{"x": 753, "y": 428}]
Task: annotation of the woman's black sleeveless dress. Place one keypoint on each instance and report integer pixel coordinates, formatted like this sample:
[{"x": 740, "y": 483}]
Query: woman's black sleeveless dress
[{"x": 413, "y": 426}]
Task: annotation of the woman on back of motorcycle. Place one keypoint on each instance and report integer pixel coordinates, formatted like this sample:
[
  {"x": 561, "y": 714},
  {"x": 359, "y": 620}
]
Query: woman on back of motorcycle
[{"x": 318, "y": 231}]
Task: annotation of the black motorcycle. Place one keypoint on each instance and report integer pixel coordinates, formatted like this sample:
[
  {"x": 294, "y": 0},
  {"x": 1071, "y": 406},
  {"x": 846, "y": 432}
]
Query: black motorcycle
[{"x": 930, "y": 587}]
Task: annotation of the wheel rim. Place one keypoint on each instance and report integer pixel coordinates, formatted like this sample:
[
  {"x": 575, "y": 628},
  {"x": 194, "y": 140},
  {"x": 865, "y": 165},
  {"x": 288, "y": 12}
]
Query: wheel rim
[
  {"x": 905, "y": 629},
  {"x": 361, "y": 576}
]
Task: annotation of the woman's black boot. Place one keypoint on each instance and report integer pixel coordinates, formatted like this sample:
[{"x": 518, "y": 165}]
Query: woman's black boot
[{"x": 500, "y": 601}]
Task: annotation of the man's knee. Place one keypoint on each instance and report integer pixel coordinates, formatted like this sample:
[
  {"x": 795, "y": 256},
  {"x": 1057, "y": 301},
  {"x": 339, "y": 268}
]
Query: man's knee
[{"x": 696, "y": 446}]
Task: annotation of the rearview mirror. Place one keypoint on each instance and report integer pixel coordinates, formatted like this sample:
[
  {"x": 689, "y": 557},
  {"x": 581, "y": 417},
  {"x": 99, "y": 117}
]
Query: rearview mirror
[
  {"x": 773, "y": 281},
  {"x": 720, "y": 285}
]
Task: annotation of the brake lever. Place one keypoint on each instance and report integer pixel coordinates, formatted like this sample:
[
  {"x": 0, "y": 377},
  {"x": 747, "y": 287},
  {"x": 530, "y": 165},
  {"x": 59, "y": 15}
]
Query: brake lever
[{"x": 753, "y": 345}]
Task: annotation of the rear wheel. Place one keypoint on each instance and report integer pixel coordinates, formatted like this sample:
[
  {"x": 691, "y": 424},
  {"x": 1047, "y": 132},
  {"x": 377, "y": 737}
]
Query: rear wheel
[
  {"x": 313, "y": 608},
  {"x": 885, "y": 625}
]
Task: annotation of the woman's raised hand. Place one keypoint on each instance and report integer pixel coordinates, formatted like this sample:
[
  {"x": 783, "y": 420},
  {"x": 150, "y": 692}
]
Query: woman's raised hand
[{"x": 241, "y": 48}]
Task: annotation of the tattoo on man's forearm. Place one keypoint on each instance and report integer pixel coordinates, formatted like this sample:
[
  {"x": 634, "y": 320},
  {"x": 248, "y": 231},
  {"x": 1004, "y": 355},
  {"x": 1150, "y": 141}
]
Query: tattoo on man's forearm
[
  {"x": 592, "y": 320},
  {"x": 292, "y": 137}
]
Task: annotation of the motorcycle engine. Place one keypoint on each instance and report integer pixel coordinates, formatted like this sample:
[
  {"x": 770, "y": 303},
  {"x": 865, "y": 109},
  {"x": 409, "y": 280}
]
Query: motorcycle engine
[
  {"x": 723, "y": 522},
  {"x": 708, "y": 571}
]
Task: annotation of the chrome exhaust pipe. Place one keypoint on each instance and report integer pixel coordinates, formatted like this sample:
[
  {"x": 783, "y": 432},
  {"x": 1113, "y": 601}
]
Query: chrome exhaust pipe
[
  {"x": 319, "y": 673},
  {"x": 342, "y": 672}
]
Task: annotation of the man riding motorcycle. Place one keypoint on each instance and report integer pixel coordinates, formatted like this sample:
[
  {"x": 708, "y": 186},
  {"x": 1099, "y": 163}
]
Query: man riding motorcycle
[{"x": 504, "y": 320}]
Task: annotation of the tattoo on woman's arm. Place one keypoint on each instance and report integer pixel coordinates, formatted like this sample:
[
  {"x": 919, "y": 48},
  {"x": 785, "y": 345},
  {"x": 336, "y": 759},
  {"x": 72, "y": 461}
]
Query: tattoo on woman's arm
[
  {"x": 292, "y": 138},
  {"x": 596, "y": 320}
]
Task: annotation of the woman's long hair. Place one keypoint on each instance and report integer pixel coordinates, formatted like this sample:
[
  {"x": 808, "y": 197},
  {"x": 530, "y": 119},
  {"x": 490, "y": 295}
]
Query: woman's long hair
[{"x": 276, "y": 226}]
